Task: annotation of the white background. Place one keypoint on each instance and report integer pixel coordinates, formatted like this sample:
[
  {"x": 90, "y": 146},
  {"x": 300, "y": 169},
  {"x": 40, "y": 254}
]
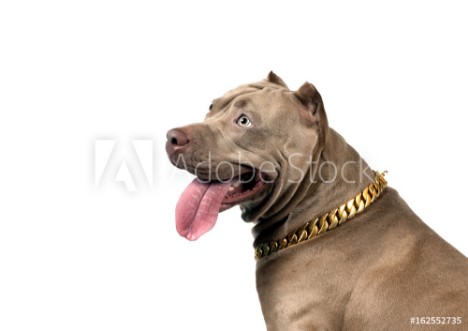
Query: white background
[{"x": 393, "y": 76}]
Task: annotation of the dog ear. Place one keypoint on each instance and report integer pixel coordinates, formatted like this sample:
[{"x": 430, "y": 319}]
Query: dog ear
[
  {"x": 308, "y": 96},
  {"x": 275, "y": 79},
  {"x": 312, "y": 100}
]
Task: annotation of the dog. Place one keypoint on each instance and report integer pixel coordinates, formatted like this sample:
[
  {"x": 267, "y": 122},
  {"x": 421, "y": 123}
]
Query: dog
[{"x": 336, "y": 248}]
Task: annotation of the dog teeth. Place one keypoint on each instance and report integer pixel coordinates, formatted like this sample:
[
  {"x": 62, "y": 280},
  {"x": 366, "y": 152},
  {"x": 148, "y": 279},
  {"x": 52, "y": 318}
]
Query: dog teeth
[{"x": 234, "y": 187}]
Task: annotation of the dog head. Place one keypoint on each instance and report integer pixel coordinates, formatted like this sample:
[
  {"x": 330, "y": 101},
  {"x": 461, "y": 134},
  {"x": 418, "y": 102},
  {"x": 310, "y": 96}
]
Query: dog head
[{"x": 254, "y": 149}]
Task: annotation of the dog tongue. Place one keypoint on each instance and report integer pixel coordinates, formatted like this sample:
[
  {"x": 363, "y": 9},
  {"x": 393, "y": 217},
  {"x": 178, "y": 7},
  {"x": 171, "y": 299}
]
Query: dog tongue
[{"x": 198, "y": 207}]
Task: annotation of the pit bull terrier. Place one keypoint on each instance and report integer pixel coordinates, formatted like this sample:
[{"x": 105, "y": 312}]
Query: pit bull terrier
[{"x": 336, "y": 249}]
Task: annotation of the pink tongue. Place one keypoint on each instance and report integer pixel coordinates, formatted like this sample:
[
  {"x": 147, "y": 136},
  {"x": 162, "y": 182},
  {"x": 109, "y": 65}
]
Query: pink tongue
[{"x": 198, "y": 207}]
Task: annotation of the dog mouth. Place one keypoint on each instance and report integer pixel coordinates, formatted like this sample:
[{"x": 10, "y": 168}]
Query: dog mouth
[
  {"x": 244, "y": 188},
  {"x": 198, "y": 206}
]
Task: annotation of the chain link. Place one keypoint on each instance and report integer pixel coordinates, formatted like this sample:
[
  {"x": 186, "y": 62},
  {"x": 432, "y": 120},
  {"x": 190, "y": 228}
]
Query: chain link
[{"x": 327, "y": 222}]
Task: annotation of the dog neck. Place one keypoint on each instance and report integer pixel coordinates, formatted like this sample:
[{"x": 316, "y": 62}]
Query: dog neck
[
  {"x": 337, "y": 175},
  {"x": 328, "y": 221}
]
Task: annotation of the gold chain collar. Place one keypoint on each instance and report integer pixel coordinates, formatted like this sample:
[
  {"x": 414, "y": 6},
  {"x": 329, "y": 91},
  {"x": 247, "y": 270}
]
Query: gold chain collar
[{"x": 327, "y": 222}]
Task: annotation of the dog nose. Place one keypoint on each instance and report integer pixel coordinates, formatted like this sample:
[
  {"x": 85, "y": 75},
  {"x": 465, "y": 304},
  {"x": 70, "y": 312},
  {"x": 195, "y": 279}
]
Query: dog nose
[
  {"x": 177, "y": 138},
  {"x": 177, "y": 143}
]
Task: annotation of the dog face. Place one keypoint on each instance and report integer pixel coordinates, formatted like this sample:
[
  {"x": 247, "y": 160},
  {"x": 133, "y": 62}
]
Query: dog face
[{"x": 253, "y": 138}]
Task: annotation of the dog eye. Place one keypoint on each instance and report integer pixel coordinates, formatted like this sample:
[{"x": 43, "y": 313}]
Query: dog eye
[
  {"x": 244, "y": 121},
  {"x": 211, "y": 107}
]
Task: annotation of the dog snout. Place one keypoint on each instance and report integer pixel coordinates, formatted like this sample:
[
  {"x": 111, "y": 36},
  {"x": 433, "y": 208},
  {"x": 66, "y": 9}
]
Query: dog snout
[{"x": 177, "y": 142}]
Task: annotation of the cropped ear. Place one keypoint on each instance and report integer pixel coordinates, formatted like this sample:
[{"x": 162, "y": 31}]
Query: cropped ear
[
  {"x": 275, "y": 79},
  {"x": 315, "y": 111}
]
